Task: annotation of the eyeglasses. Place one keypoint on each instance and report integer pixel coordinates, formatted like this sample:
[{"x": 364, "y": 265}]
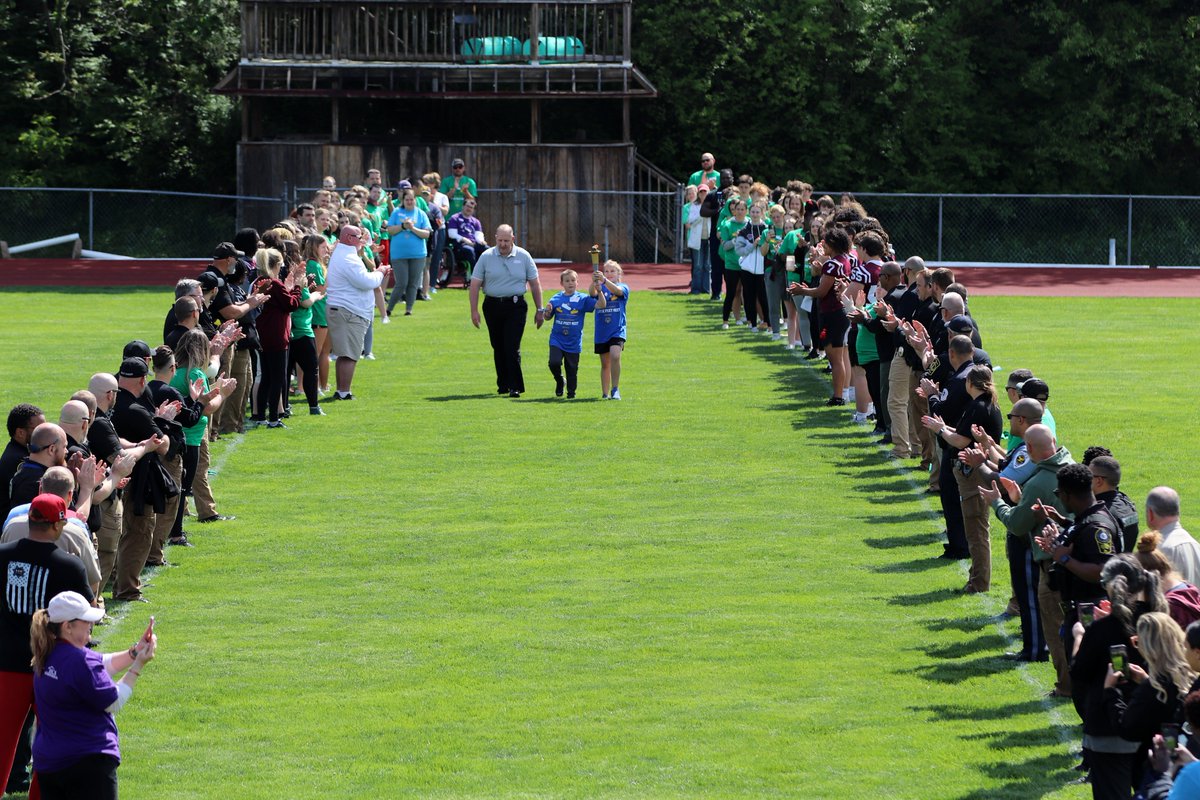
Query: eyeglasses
[{"x": 1014, "y": 416}]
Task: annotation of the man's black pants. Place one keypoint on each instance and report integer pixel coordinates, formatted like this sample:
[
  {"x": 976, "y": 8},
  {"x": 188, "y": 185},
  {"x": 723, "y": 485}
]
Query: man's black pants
[{"x": 506, "y": 325}]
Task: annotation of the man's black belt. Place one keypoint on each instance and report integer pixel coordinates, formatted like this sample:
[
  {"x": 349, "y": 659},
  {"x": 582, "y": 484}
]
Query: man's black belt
[{"x": 516, "y": 298}]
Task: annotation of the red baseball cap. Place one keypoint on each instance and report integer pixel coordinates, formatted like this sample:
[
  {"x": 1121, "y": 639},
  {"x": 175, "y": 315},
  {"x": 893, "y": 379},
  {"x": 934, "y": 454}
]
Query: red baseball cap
[{"x": 47, "y": 508}]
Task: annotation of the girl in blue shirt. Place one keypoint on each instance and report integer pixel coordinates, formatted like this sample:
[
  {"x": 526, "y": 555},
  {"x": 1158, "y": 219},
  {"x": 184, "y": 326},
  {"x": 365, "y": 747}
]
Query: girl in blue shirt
[{"x": 610, "y": 326}]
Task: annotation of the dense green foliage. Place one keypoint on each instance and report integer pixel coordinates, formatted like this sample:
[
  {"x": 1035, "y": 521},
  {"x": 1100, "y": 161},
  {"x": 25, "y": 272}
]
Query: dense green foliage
[
  {"x": 116, "y": 93},
  {"x": 928, "y": 95},
  {"x": 979, "y": 95}
]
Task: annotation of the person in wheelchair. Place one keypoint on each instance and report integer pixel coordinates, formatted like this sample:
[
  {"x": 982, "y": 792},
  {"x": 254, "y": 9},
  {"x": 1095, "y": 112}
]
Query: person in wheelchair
[{"x": 467, "y": 242}]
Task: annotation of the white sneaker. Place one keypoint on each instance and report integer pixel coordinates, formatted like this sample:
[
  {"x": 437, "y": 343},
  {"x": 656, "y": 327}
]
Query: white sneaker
[
  {"x": 724, "y": 326},
  {"x": 775, "y": 337},
  {"x": 789, "y": 347},
  {"x": 859, "y": 416},
  {"x": 369, "y": 357},
  {"x": 386, "y": 319},
  {"x": 616, "y": 395}
]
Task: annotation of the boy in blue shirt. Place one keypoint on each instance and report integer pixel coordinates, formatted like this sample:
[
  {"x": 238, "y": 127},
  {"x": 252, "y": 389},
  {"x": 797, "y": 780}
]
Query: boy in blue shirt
[
  {"x": 610, "y": 326},
  {"x": 566, "y": 310}
]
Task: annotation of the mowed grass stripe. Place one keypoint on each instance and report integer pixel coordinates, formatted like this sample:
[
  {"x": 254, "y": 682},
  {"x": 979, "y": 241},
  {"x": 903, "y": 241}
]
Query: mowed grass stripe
[{"x": 712, "y": 588}]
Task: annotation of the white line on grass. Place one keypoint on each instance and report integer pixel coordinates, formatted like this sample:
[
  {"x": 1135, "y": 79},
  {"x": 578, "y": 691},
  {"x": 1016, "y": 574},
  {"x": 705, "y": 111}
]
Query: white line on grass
[
  {"x": 118, "y": 615},
  {"x": 1062, "y": 727}
]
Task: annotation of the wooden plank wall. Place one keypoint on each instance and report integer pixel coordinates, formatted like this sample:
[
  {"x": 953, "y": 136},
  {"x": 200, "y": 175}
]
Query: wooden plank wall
[{"x": 553, "y": 224}]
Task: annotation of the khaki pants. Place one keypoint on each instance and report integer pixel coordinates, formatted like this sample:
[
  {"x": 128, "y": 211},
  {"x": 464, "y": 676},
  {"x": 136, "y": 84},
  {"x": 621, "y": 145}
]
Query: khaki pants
[
  {"x": 975, "y": 512},
  {"x": 231, "y": 416},
  {"x": 899, "y": 388},
  {"x": 1050, "y": 604},
  {"x": 206, "y": 506},
  {"x": 132, "y": 551},
  {"x": 111, "y": 525},
  {"x": 930, "y": 452},
  {"x": 163, "y": 523}
]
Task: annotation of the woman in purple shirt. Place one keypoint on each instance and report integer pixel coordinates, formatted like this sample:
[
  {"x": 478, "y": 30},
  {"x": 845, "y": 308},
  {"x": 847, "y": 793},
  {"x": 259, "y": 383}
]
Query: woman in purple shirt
[{"x": 75, "y": 752}]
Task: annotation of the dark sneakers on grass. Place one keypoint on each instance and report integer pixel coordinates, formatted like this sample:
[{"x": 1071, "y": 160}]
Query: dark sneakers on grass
[{"x": 219, "y": 518}]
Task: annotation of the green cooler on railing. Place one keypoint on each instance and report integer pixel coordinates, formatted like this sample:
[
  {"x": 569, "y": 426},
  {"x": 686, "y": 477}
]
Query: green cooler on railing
[
  {"x": 491, "y": 49},
  {"x": 554, "y": 48}
]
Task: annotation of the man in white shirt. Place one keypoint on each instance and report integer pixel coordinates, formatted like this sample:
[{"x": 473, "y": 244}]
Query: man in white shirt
[
  {"x": 1162, "y": 515},
  {"x": 350, "y": 304}
]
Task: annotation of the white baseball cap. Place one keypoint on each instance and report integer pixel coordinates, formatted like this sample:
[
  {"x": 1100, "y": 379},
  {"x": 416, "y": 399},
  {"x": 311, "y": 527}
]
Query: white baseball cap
[{"x": 67, "y": 606}]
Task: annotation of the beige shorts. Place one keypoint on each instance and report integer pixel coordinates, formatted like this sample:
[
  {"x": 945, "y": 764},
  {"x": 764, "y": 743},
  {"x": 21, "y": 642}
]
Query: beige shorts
[{"x": 347, "y": 332}]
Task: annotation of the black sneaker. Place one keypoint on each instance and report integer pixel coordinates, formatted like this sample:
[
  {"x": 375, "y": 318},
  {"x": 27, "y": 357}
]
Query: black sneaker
[
  {"x": 218, "y": 518},
  {"x": 315, "y": 411},
  {"x": 179, "y": 541},
  {"x": 558, "y": 387},
  {"x": 277, "y": 424}
]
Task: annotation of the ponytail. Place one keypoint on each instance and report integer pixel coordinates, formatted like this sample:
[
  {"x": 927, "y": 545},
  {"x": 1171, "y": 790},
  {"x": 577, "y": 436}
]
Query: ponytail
[{"x": 43, "y": 635}]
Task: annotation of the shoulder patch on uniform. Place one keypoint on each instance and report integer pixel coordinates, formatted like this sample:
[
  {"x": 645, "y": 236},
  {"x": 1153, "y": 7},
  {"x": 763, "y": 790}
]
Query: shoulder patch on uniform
[
  {"x": 1104, "y": 543},
  {"x": 1021, "y": 459}
]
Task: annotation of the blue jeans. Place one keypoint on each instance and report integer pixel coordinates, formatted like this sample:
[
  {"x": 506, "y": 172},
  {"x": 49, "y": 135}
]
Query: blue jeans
[
  {"x": 700, "y": 276},
  {"x": 716, "y": 266},
  {"x": 437, "y": 248}
]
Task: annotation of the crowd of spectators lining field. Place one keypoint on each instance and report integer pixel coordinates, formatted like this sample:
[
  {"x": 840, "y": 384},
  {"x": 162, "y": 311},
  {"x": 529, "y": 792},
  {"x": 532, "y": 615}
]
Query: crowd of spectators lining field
[
  {"x": 1109, "y": 608},
  {"x": 1112, "y": 611},
  {"x": 123, "y": 454}
]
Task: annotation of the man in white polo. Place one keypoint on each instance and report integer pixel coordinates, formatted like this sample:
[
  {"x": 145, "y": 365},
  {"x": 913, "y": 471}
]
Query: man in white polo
[
  {"x": 350, "y": 304},
  {"x": 1179, "y": 546},
  {"x": 502, "y": 274}
]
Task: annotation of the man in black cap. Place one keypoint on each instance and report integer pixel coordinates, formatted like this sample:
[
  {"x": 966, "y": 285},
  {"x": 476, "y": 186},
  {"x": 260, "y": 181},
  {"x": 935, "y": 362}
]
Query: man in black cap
[
  {"x": 232, "y": 303},
  {"x": 1040, "y": 391},
  {"x": 149, "y": 483}
]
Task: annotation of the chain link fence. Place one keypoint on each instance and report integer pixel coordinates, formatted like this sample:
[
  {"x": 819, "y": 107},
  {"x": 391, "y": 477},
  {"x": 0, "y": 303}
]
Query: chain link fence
[
  {"x": 641, "y": 226},
  {"x": 1117, "y": 230},
  {"x": 132, "y": 223}
]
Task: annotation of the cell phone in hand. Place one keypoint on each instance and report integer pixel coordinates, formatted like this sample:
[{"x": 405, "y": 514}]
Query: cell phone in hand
[
  {"x": 1117, "y": 655},
  {"x": 1170, "y": 734},
  {"x": 149, "y": 630},
  {"x": 1087, "y": 613}
]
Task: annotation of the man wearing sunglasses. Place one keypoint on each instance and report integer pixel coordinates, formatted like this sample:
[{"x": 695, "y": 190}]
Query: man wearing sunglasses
[{"x": 707, "y": 171}]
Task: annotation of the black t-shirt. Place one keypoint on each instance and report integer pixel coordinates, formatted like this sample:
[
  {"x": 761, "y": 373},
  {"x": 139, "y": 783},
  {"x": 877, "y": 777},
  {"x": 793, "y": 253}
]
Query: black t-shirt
[
  {"x": 236, "y": 293},
  {"x": 102, "y": 438},
  {"x": 173, "y": 336},
  {"x": 30, "y": 574},
  {"x": 134, "y": 422},
  {"x": 980, "y": 411},
  {"x": 205, "y": 324},
  {"x": 13, "y": 455},
  {"x": 25, "y": 483},
  {"x": 951, "y": 408}
]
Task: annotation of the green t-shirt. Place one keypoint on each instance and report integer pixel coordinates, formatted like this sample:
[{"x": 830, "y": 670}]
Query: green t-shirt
[
  {"x": 193, "y": 436},
  {"x": 700, "y": 175},
  {"x": 727, "y": 231},
  {"x": 302, "y": 318},
  {"x": 380, "y": 213},
  {"x": 456, "y": 196},
  {"x": 318, "y": 308},
  {"x": 793, "y": 241}
]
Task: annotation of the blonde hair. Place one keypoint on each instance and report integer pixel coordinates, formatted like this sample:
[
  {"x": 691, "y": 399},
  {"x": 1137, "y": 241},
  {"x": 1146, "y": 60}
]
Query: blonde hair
[
  {"x": 431, "y": 179},
  {"x": 1162, "y": 643},
  {"x": 610, "y": 264},
  {"x": 269, "y": 261},
  {"x": 43, "y": 635}
]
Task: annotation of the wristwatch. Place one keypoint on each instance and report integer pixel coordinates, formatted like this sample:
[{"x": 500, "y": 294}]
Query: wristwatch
[{"x": 1065, "y": 558}]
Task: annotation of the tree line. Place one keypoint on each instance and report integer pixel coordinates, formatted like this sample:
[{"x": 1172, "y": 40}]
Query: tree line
[{"x": 885, "y": 95}]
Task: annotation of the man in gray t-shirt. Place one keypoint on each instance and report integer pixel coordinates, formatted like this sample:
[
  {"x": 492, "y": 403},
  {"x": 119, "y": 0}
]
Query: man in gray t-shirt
[{"x": 502, "y": 274}]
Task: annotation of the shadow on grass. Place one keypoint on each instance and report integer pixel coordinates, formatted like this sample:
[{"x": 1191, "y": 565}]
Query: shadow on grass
[
  {"x": 925, "y": 598},
  {"x": 916, "y": 516},
  {"x": 990, "y": 643},
  {"x": 971, "y": 713},
  {"x": 1023, "y": 780},
  {"x": 913, "y": 540},
  {"x": 964, "y": 624},
  {"x": 923, "y": 564},
  {"x": 571, "y": 401},
  {"x": 450, "y": 398}
]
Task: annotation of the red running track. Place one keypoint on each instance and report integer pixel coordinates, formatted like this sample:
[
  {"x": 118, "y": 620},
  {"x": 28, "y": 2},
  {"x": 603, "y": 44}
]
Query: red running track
[{"x": 1019, "y": 281}]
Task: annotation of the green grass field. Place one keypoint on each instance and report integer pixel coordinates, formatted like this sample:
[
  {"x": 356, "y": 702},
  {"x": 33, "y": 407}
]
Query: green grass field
[{"x": 714, "y": 588}]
